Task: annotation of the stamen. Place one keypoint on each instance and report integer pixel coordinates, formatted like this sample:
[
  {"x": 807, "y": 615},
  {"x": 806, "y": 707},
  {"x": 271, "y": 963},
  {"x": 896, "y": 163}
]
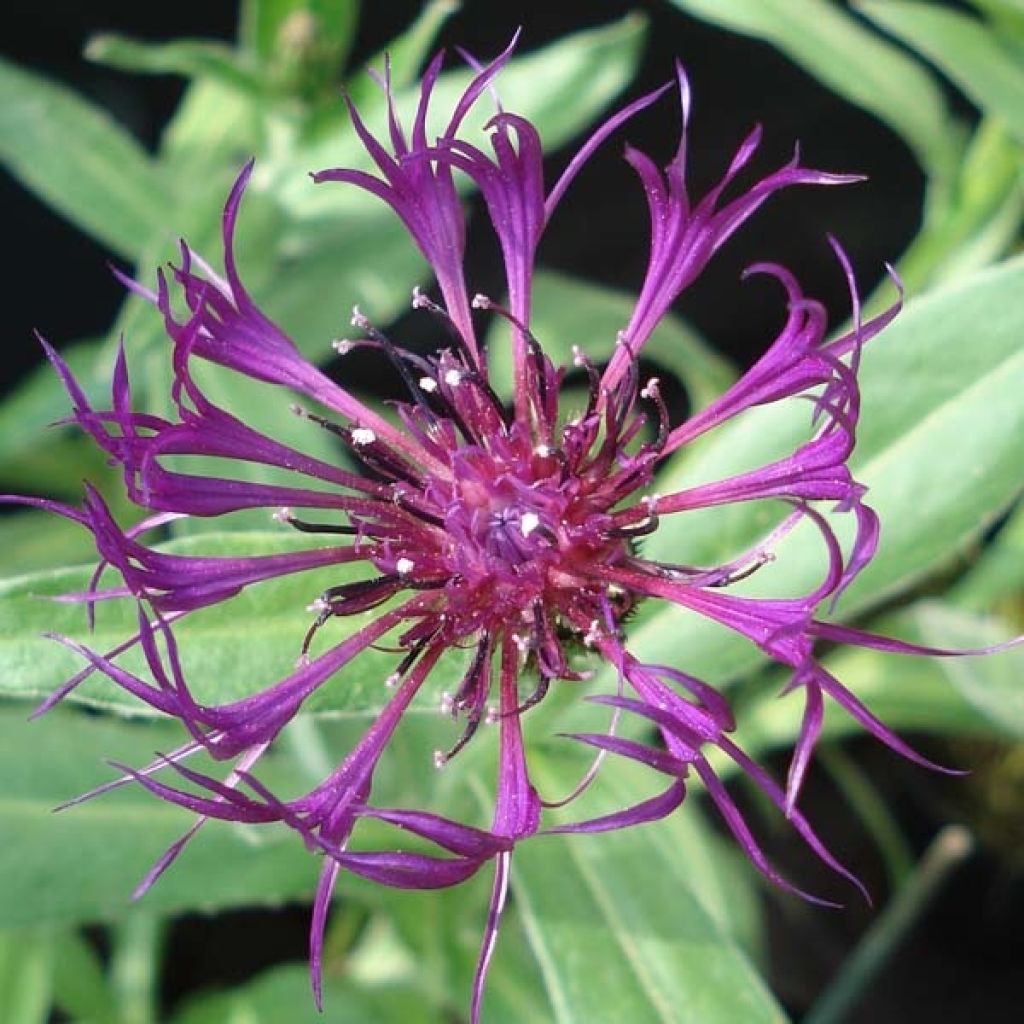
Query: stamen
[
  {"x": 318, "y": 622},
  {"x": 363, "y": 435},
  {"x": 539, "y": 693},
  {"x": 421, "y": 301},
  {"x": 472, "y": 724},
  {"x": 536, "y": 351},
  {"x": 641, "y": 529},
  {"x": 652, "y": 392},
  {"x": 284, "y": 515}
]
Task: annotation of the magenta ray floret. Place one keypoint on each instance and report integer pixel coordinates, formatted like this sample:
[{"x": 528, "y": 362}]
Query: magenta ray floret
[{"x": 508, "y": 532}]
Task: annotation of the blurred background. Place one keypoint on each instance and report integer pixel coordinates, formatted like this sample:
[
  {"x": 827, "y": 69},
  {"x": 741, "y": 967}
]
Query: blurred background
[{"x": 601, "y": 231}]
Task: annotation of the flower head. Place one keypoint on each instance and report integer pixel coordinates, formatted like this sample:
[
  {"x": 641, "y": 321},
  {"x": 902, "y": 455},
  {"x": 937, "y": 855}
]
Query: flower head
[{"x": 512, "y": 533}]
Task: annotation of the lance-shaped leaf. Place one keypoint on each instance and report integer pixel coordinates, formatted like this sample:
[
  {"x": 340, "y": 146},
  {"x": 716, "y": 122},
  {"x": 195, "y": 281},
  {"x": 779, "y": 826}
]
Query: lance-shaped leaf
[{"x": 77, "y": 159}]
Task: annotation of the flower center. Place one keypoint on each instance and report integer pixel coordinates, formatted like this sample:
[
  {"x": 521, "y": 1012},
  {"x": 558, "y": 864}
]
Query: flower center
[{"x": 514, "y": 526}]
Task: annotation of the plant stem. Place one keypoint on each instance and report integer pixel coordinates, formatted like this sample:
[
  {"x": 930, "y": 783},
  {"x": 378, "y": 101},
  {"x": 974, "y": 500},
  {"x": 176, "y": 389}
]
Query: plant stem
[{"x": 134, "y": 967}]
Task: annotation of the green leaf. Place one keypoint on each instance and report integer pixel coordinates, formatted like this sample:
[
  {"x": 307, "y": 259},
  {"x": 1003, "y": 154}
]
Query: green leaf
[
  {"x": 369, "y": 262},
  {"x": 972, "y": 55},
  {"x": 80, "y": 162},
  {"x": 1007, "y": 16},
  {"x": 282, "y": 996},
  {"x": 840, "y": 52},
  {"x": 413, "y": 45},
  {"x": 214, "y": 126},
  {"x": 620, "y": 926},
  {"x": 940, "y": 447},
  {"x": 570, "y": 312},
  {"x": 81, "y": 864},
  {"x": 993, "y": 684},
  {"x": 34, "y": 540},
  {"x": 998, "y": 574},
  {"x": 26, "y": 969},
  {"x": 981, "y": 221},
  {"x": 228, "y": 651},
  {"x": 187, "y": 57},
  {"x": 79, "y": 986}
]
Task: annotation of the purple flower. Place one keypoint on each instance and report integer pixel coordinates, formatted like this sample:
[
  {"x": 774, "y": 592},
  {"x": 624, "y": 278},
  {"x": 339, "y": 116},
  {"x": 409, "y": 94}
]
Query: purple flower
[{"x": 510, "y": 532}]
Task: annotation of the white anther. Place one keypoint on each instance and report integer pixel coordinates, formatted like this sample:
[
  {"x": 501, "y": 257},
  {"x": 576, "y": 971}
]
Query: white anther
[
  {"x": 296, "y": 410},
  {"x": 282, "y": 515},
  {"x": 428, "y": 384},
  {"x": 302, "y": 661},
  {"x": 578, "y": 357},
  {"x": 528, "y": 523},
  {"x": 593, "y": 633},
  {"x": 492, "y": 715},
  {"x": 522, "y": 642},
  {"x": 343, "y": 346},
  {"x": 362, "y": 436},
  {"x": 392, "y": 680},
  {"x": 359, "y": 320},
  {"x": 620, "y": 338},
  {"x": 651, "y": 501},
  {"x": 447, "y": 703},
  {"x": 480, "y": 301},
  {"x": 419, "y": 300},
  {"x": 318, "y": 606},
  {"x": 453, "y": 378},
  {"x": 439, "y": 759},
  {"x": 543, "y": 451},
  {"x": 404, "y": 566},
  {"x": 651, "y": 389},
  {"x": 614, "y": 590}
]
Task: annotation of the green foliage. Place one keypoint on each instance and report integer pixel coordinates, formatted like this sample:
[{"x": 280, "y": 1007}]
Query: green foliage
[
  {"x": 77, "y": 159},
  {"x": 281, "y": 996},
  {"x": 589, "y": 900},
  {"x": 974, "y": 201},
  {"x": 972, "y": 55},
  {"x": 863, "y": 68}
]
